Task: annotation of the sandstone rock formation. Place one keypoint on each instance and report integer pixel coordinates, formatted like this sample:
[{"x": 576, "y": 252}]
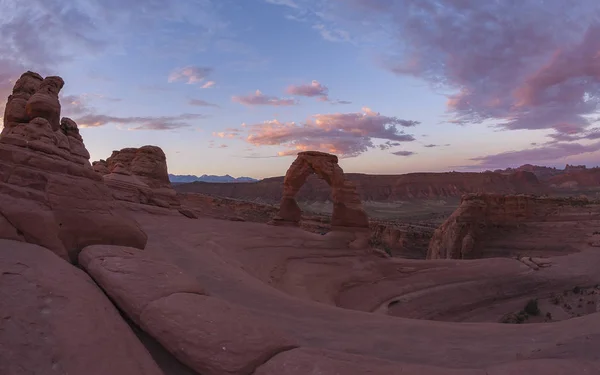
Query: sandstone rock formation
[
  {"x": 487, "y": 225},
  {"x": 209, "y": 335},
  {"x": 55, "y": 320},
  {"x": 49, "y": 193},
  {"x": 139, "y": 175},
  {"x": 347, "y": 207}
]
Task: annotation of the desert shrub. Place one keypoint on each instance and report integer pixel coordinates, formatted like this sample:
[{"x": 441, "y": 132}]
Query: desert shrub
[
  {"x": 577, "y": 290},
  {"x": 532, "y": 307},
  {"x": 512, "y": 318}
]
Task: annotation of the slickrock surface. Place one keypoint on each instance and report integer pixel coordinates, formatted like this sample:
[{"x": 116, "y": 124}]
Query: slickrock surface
[
  {"x": 55, "y": 320},
  {"x": 49, "y": 193},
  {"x": 347, "y": 207},
  {"x": 488, "y": 225},
  {"x": 207, "y": 334},
  {"x": 346, "y": 308},
  {"x": 139, "y": 175}
]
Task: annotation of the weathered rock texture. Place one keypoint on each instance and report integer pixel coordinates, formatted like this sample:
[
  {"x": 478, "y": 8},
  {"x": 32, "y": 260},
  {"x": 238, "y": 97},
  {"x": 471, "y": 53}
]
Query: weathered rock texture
[
  {"x": 49, "y": 193},
  {"x": 55, "y": 320},
  {"x": 488, "y": 225},
  {"x": 208, "y": 334},
  {"x": 139, "y": 175},
  {"x": 347, "y": 207}
]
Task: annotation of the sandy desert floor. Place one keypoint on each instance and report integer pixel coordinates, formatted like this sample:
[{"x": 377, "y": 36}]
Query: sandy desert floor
[{"x": 442, "y": 314}]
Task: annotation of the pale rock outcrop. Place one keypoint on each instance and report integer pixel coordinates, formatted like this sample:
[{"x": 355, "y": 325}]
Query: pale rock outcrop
[
  {"x": 49, "y": 194},
  {"x": 481, "y": 225},
  {"x": 55, "y": 320},
  {"x": 139, "y": 175},
  {"x": 347, "y": 207}
]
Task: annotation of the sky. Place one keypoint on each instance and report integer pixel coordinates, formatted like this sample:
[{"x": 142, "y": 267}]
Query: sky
[{"x": 390, "y": 86}]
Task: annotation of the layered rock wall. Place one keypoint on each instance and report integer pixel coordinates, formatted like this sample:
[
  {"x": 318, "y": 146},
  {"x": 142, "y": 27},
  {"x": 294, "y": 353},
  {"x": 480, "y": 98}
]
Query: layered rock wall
[{"x": 490, "y": 224}]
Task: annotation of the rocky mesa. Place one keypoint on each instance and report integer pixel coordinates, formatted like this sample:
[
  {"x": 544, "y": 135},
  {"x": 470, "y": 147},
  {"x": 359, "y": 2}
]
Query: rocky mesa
[
  {"x": 493, "y": 225},
  {"x": 378, "y": 188}
]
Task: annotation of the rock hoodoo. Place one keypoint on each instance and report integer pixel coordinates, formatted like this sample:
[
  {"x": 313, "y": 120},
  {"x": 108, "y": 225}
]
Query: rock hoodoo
[
  {"x": 49, "y": 193},
  {"x": 490, "y": 225},
  {"x": 347, "y": 207},
  {"x": 139, "y": 175}
]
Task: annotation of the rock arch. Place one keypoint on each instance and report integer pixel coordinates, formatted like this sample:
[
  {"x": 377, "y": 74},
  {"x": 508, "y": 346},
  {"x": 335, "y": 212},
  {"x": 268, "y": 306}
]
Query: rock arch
[{"x": 347, "y": 207}]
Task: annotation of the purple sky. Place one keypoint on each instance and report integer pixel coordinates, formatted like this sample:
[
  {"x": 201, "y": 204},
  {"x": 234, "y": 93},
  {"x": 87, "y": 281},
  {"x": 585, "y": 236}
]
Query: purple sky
[{"x": 391, "y": 86}]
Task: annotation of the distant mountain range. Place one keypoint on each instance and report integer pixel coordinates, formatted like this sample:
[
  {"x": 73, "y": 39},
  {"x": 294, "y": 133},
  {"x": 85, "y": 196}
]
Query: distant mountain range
[{"x": 185, "y": 179}]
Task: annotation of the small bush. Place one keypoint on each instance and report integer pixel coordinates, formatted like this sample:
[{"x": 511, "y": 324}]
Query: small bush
[
  {"x": 577, "y": 290},
  {"x": 532, "y": 308},
  {"x": 512, "y": 318}
]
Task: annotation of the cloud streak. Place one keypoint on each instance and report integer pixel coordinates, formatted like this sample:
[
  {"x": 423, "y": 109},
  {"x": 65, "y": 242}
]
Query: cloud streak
[
  {"x": 346, "y": 134},
  {"x": 140, "y": 122},
  {"x": 314, "y": 89},
  {"x": 202, "y": 103},
  {"x": 545, "y": 153},
  {"x": 403, "y": 153},
  {"x": 258, "y": 98},
  {"x": 190, "y": 75}
]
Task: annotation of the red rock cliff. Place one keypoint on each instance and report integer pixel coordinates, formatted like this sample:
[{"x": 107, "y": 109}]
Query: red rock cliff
[{"x": 493, "y": 224}]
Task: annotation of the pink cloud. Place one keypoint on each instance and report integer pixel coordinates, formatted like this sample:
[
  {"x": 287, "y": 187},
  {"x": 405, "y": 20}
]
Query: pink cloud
[
  {"x": 522, "y": 65},
  {"x": 209, "y": 85},
  {"x": 346, "y": 134},
  {"x": 140, "y": 123},
  {"x": 313, "y": 89},
  {"x": 546, "y": 153},
  {"x": 228, "y": 133},
  {"x": 258, "y": 98},
  {"x": 190, "y": 74}
]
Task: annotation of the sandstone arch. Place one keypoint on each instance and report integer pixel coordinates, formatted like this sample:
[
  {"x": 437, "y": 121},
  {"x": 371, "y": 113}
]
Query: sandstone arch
[{"x": 347, "y": 207}]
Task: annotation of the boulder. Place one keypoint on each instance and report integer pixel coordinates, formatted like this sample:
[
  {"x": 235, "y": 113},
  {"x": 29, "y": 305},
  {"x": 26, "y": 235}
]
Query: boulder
[
  {"x": 44, "y": 103},
  {"x": 49, "y": 193},
  {"x": 55, "y": 320},
  {"x": 347, "y": 207},
  {"x": 139, "y": 175},
  {"x": 15, "y": 111}
]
